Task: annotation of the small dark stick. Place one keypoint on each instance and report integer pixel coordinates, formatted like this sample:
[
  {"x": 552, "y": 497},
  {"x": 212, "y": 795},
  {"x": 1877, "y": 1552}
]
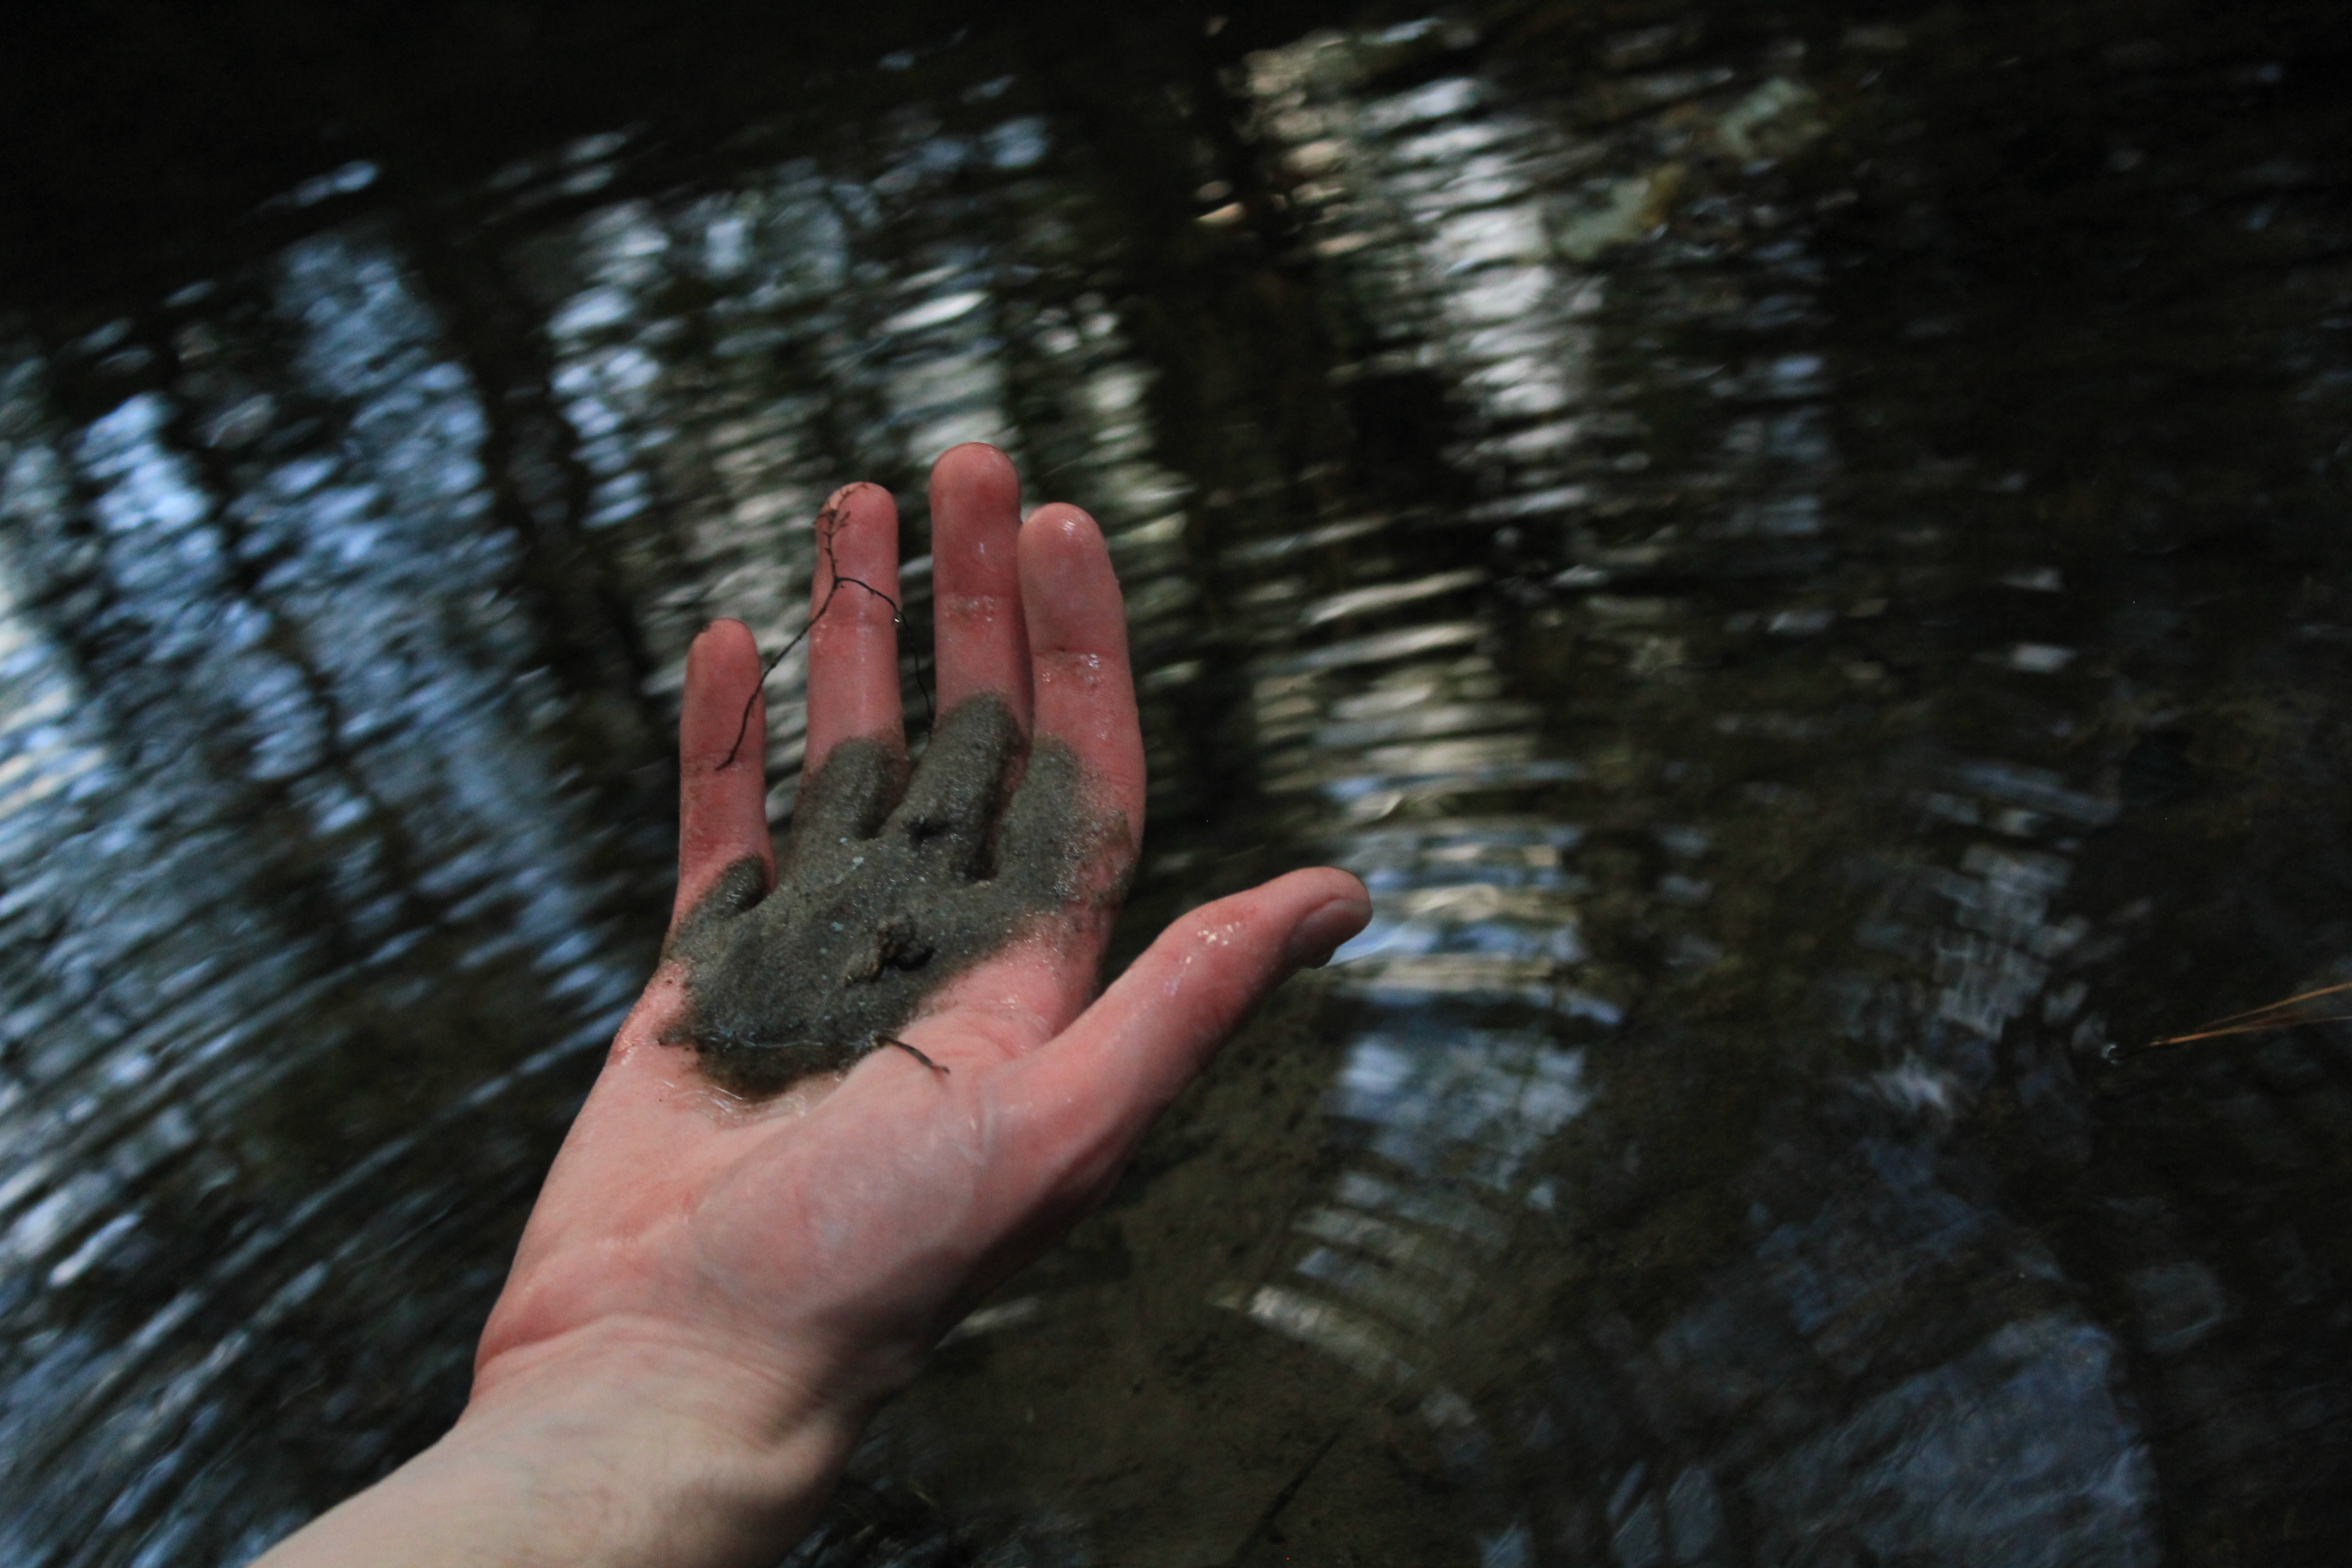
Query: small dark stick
[
  {"x": 894, "y": 1040},
  {"x": 828, "y": 523}
]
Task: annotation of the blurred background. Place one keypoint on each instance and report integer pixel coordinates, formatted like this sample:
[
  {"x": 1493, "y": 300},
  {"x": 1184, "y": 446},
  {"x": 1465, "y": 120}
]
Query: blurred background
[{"x": 1801, "y": 550}]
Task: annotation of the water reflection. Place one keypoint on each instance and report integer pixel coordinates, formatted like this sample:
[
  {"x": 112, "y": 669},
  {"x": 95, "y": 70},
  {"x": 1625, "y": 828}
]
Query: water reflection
[
  {"x": 1493, "y": 946},
  {"x": 233, "y": 876},
  {"x": 1817, "y": 621}
]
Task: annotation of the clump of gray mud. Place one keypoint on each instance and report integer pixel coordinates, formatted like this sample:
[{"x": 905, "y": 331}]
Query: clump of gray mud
[{"x": 888, "y": 887}]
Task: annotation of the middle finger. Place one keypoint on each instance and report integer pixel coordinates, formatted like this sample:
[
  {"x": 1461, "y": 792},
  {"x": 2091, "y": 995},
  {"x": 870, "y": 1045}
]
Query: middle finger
[{"x": 982, "y": 639}]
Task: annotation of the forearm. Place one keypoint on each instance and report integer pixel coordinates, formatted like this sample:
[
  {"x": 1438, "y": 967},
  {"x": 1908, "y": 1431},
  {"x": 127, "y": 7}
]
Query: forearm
[{"x": 607, "y": 1457}]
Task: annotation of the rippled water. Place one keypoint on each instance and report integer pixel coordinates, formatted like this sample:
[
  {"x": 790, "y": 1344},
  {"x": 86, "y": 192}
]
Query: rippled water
[{"x": 1803, "y": 558}]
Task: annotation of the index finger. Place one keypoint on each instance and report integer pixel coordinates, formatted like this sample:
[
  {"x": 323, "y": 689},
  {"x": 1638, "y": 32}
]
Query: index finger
[{"x": 1085, "y": 692}]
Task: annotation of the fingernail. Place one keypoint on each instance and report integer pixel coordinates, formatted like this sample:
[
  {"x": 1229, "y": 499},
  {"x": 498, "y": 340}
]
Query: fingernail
[{"x": 1316, "y": 938}]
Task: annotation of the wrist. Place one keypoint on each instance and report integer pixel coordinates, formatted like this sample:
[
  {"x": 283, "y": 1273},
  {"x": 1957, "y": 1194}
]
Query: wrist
[{"x": 610, "y": 1447}]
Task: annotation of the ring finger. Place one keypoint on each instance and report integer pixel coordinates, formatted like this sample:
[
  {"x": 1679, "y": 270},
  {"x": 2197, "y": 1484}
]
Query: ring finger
[{"x": 853, "y": 679}]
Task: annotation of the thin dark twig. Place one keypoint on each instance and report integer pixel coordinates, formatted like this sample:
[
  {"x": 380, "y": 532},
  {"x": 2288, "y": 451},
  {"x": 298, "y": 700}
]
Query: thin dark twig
[
  {"x": 895, "y": 1040},
  {"x": 828, "y": 523}
]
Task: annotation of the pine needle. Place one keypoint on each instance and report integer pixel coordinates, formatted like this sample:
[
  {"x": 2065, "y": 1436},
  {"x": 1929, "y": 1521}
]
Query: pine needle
[{"x": 2264, "y": 1019}]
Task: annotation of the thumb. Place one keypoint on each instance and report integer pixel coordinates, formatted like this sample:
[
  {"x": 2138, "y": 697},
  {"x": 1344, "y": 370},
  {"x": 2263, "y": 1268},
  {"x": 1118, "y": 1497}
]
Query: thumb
[{"x": 1092, "y": 1093}]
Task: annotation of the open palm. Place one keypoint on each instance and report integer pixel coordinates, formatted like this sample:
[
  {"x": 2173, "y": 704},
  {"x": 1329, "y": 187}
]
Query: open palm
[{"x": 805, "y": 1251}]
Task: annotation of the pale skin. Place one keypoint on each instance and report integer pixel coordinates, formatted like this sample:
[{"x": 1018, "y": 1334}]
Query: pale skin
[{"x": 712, "y": 1297}]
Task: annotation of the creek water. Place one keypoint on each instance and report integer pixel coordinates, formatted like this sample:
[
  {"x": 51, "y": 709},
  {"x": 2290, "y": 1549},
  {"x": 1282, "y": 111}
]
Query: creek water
[{"x": 1801, "y": 553}]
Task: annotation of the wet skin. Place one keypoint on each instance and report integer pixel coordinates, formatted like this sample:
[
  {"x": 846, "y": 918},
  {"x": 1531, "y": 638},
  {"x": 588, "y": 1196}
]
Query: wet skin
[{"x": 889, "y": 888}]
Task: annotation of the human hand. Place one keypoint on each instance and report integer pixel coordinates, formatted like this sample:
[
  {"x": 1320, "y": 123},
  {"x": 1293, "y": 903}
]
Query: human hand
[{"x": 716, "y": 1290}]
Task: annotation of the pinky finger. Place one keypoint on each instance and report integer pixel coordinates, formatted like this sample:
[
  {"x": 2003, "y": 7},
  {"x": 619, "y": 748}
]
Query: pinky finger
[{"x": 722, "y": 745}]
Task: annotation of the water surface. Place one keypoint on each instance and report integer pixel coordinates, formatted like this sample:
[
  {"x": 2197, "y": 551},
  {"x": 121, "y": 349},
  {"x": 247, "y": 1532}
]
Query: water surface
[{"x": 1801, "y": 555}]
